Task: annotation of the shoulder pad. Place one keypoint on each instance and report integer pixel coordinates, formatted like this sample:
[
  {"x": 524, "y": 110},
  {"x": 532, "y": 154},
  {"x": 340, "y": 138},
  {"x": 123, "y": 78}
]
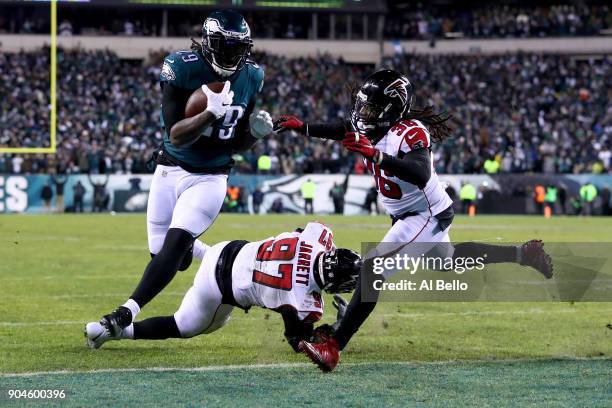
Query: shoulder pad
[
  {"x": 415, "y": 135},
  {"x": 177, "y": 68},
  {"x": 257, "y": 73}
]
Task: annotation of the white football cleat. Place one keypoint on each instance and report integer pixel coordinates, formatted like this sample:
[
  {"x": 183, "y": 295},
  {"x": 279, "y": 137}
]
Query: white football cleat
[{"x": 96, "y": 335}]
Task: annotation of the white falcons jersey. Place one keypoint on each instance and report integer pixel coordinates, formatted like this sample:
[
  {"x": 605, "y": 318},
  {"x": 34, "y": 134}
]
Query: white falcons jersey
[
  {"x": 399, "y": 196},
  {"x": 278, "y": 272}
]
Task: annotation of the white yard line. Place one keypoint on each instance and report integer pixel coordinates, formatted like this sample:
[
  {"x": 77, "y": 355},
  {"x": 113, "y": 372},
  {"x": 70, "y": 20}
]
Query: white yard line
[
  {"x": 482, "y": 313},
  {"x": 404, "y": 315},
  {"x": 58, "y": 277},
  {"x": 290, "y": 365},
  {"x": 81, "y": 296}
]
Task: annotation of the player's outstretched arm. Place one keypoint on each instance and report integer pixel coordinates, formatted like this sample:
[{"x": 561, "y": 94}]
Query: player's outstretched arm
[
  {"x": 296, "y": 330},
  {"x": 333, "y": 131},
  {"x": 413, "y": 167}
]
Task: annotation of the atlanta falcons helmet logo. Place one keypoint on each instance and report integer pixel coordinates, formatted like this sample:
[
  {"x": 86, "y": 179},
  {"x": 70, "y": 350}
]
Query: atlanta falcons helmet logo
[{"x": 398, "y": 89}]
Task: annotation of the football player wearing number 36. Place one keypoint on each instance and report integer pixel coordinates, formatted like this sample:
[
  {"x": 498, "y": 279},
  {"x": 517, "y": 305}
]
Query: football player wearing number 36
[
  {"x": 193, "y": 163},
  {"x": 395, "y": 142}
]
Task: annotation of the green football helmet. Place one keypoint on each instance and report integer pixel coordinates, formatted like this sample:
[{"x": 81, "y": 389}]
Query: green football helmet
[{"x": 226, "y": 42}]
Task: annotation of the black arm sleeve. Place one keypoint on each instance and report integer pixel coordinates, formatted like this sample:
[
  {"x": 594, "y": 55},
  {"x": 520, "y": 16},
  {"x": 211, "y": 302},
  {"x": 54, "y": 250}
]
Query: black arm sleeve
[
  {"x": 173, "y": 104},
  {"x": 333, "y": 131},
  {"x": 243, "y": 140},
  {"x": 295, "y": 329},
  {"x": 413, "y": 167}
]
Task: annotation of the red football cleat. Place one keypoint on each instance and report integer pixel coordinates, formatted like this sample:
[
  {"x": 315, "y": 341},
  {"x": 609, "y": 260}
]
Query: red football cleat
[
  {"x": 325, "y": 355},
  {"x": 533, "y": 255}
]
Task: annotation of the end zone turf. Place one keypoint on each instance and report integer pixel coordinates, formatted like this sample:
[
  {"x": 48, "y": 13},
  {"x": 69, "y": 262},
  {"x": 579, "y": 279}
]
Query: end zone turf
[{"x": 559, "y": 383}]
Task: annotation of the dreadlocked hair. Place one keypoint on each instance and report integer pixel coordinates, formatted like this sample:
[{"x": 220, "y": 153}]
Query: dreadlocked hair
[{"x": 438, "y": 124}]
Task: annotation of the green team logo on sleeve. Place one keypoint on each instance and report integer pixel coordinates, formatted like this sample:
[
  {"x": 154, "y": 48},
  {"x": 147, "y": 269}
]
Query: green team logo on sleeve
[{"x": 167, "y": 74}]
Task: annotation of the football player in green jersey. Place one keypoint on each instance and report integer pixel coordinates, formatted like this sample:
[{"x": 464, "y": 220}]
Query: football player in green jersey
[{"x": 193, "y": 163}]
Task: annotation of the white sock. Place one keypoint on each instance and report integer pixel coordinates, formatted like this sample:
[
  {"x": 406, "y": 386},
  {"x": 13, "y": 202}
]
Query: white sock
[
  {"x": 128, "y": 332},
  {"x": 199, "y": 249},
  {"x": 133, "y": 306}
]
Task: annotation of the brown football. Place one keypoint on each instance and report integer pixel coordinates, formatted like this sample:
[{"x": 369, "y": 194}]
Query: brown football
[{"x": 197, "y": 102}]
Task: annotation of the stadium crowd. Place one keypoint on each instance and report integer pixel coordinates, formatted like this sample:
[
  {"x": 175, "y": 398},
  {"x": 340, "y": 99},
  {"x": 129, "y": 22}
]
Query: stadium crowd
[
  {"x": 403, "y": 21},
  {"x": 494, "y": 21},
  {"x": 512, "y": 113}
]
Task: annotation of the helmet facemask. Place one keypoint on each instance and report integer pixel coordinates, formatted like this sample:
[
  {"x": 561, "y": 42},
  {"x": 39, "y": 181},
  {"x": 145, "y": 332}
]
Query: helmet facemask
[
  {"x": 380, "y": 103},
  {"x": 226, "y": 51},
  {"x": 338, "y": 270}
]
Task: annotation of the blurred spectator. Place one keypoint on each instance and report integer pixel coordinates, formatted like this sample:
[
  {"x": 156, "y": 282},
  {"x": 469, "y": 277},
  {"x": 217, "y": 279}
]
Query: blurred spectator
[
  {"x": 491, "y": 166},
  {"x": 551, "y": 197},
  {"x": 232, "y": 199},
  {"x": 277, "y": 206},
  {"x": 371, "y": 201},
  {"x": 336, "y": 193},
  {"x": 101, "y": 197},
  {"x": 78, "y": 191},
  {"x": 59, "y": 181},
  {"x": 588, "y": 193},
  {"x": 467, "y": 195},
  {"x": 539, "y": 196},
  {"x": 65, "y": 28},
  {"x": 47, "y": 194},
  {"x": 308, "y": 193},
  {"x": 258, "y": 197}
]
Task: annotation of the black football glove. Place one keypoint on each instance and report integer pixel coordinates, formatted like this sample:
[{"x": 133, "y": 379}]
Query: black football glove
[{"x": 321, "y": 333}]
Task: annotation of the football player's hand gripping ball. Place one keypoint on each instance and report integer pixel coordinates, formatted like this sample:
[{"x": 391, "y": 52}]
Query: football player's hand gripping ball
[
  {"x": 289, "y": 122},
  {"x": 360, "y": 144},
  {"x": 218, "y": 103},
  {"x": 261, "y": 124}
]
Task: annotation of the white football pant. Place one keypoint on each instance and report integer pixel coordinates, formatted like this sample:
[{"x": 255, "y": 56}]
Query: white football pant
[{"x": 179, "y": 199}]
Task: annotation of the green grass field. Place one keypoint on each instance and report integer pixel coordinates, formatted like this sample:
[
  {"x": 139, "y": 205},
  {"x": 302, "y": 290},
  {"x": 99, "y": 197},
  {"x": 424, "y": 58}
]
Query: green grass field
[{"x": 58, "y": 272}]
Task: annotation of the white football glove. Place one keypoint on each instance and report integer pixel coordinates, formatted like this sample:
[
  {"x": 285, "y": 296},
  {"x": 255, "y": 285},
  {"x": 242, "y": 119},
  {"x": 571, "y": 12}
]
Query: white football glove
[
  {"x": 218, "y": 103},
  {"x": 261, "y": 124}
]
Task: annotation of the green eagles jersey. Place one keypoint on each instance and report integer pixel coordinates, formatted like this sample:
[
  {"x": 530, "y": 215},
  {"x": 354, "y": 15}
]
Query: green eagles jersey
[{"x": 189, "y": 70}]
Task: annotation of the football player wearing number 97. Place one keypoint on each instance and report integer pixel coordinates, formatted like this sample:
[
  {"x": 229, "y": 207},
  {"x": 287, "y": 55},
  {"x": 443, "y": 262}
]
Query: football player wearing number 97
[
  {"x": 285, "y": 273},
  {"x": 193, "y": 163},
  {"x": 395, "y": 142}
]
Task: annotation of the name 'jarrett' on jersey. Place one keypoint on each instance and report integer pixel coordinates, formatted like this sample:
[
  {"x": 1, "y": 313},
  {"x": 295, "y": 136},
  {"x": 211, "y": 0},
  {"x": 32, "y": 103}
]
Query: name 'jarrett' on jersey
[
  {"x": 399, "y": 196},
  {"x": 188, "y": 70},
  {"x": 278, "y": 272}
]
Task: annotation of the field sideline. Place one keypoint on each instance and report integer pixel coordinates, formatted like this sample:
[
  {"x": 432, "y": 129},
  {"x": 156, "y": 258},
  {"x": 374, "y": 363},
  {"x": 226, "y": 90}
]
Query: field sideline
[{"x": 58, "y": 272}]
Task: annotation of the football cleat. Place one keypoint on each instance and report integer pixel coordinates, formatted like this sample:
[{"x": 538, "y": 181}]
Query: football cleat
[
  {"x": 116, "y": 321},
  {"x": 533, "y": 254},
  {"x": 325, "y": 355},
  {"x": 96, "y": 335}
]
